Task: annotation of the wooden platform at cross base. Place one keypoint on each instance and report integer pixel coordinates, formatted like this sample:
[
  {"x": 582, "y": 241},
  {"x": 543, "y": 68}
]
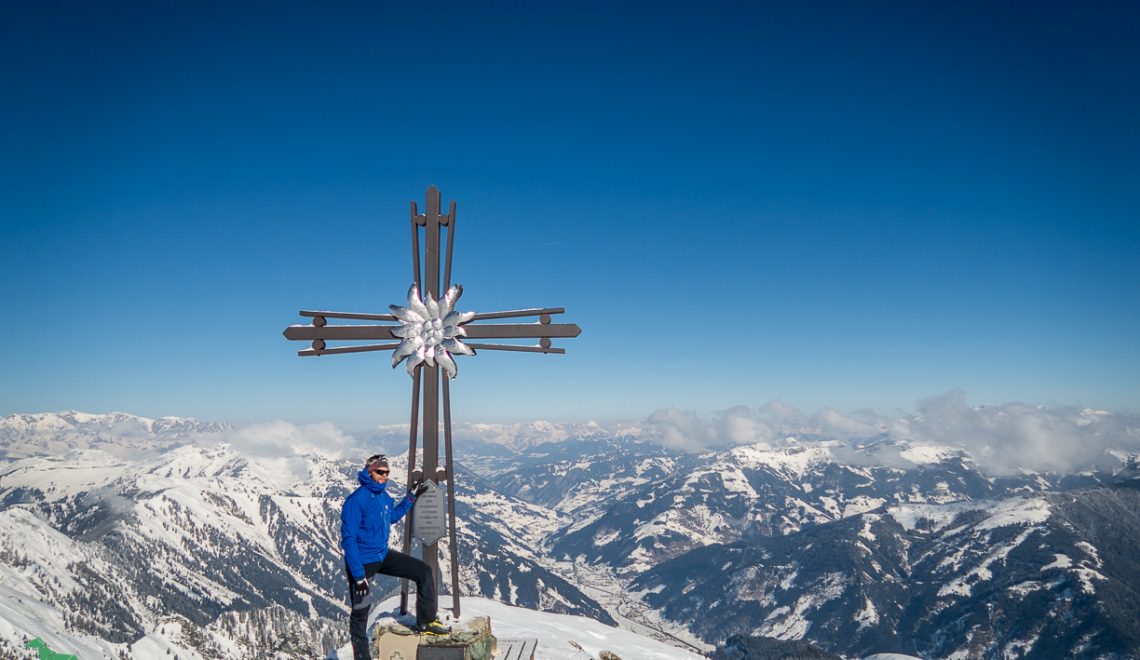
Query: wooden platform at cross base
[
  {"x": 516, "y": 649},
  {"x": 508, "y": 649}
]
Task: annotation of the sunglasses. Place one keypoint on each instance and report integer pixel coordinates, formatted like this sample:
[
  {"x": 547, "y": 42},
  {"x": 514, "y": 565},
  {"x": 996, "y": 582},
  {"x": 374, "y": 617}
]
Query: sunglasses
[{"x": 381, "y": 471}]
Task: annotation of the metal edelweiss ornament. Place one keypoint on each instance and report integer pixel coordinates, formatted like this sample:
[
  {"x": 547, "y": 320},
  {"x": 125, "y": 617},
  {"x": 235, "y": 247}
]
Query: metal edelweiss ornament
[{"x": 430, "y": 331}]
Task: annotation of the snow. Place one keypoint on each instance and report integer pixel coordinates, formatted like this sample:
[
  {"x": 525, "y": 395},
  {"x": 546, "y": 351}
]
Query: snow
[
  {"x": 830, "y": 505},
  {"x": 789, "y": 462},
  {"x": 962, "y": 586},
  {"x": 560, "y": 636},
  {"x": 788, "y": 580},
  {"x": 1091, "y": 550},
  {"x": 1023, "y": 589},
  {"x": 66, "y": 433},
  {"x": 58, "y": 478},
  {"x": 862, "y": 504},
  {"x": 736, "y": 483},
  {"x": 1017, "y": 511},
  {"x": 23, "y": 612},
  {"x": 1061, "y": 561},
  {"x": 1019, "y": 648},
  {"x": 44, "y": 546},
  {"x": 22, "y": 615},
  {"x": 786, "y": 623},
  {"x": 1123, "y": 456},
  {"x": 867, "y": 616},
  {"x": 220, "y": 486},
  {"x": 937, "y": 515},
  {"x": 925, "y": 454},
  {"x": 956, "y": 588},
  {"x": 865, "y": 532},
  {"x": 626, "y": 605},
  {"x": 1087, "y": 576},
  {"x": 158, "y": 646},
  {"x": 522, "y": 435},
  {"x": 1014, "y": 511},
  {"x": 605, "y": 537}
]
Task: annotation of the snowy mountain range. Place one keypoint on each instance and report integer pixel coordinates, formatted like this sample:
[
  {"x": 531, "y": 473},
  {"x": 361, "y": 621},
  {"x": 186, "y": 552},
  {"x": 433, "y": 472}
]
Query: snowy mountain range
[
  {"x": 113, "y": 546},
  {"x": 122, "y": 536}
]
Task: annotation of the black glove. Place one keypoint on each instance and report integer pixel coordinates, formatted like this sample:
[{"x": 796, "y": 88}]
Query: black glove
[
  {"x": 420, "y": 489},
  {"x": 360, "y": 588}
]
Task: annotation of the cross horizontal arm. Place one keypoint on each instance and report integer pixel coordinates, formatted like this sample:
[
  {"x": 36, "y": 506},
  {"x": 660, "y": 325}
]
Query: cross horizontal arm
[
  {"x": 347, "y": 349},
  {"x": 524, "y": 349},
  {"x": 497, "y": 331},
  {"x": 522, "y": 330},
  {"x": 348, "y": 315},
  {"x": 340, "y": 332},
  {"x": 359, "y": 316},
  {"x": 535, "y": 311}
]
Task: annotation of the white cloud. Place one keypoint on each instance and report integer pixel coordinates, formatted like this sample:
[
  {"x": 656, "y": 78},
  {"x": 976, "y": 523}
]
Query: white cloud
[
  {"x": 689, "y": 431},
  {"x": 1001, "y": 438},
  {"x": 284, "y": 439},
  {"x": 779, "y": 410},
  {"x": 1006, "y": 437},
  {"x": 832, "y": 421}
]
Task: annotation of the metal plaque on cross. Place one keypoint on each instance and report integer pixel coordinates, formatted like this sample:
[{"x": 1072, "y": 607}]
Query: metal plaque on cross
[
  {"x": 426, "y": 333},
  {"x": 429, "y": 522}
]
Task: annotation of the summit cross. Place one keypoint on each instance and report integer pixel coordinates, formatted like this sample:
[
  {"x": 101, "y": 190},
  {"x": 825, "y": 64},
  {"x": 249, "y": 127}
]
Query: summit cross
[{"x": 427, "y": 333}]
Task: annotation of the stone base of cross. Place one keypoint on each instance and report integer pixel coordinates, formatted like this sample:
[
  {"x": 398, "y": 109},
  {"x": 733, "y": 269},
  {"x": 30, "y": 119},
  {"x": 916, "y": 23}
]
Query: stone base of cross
[{"x": 427, "y": 333}]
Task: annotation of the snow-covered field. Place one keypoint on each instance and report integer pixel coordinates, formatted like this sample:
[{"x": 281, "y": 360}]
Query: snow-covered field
[{"x": 560, "y": 636}]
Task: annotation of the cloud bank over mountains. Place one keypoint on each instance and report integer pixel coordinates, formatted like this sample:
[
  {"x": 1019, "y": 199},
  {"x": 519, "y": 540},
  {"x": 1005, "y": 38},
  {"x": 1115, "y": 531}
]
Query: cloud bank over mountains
[
  {"x": 1002, "y": 438},
  {"x": 282, "y": 439}
]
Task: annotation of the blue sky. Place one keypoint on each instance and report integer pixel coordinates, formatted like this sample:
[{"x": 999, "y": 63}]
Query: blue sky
[{"x": 833, "y": 204}]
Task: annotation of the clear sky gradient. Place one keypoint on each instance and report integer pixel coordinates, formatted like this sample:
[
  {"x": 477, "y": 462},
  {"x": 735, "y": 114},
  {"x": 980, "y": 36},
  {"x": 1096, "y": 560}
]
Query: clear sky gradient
[{"x": 832, "y": 204}]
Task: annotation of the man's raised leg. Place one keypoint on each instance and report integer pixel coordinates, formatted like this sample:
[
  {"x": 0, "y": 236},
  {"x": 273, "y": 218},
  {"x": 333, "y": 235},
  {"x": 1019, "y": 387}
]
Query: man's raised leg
[{"x": 406, "y": 566}]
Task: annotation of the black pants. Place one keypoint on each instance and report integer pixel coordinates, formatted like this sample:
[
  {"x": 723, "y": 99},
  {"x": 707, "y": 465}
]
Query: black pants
[{"x": 398, "y": 565}]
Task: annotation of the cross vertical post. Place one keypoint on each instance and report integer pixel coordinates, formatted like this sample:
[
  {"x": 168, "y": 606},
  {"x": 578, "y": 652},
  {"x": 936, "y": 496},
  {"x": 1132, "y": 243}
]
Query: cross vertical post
[
  {"x": 431, "y": 221},
  {"x": 450, "y": 495}
]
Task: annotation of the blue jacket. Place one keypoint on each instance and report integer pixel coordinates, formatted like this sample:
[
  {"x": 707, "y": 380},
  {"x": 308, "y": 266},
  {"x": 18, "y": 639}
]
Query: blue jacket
[{"x": 365, "y": 519}]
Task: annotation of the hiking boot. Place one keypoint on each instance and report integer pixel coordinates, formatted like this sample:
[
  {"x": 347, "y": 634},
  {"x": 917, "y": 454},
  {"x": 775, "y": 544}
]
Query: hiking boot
[{"x": 433, "y": 628}]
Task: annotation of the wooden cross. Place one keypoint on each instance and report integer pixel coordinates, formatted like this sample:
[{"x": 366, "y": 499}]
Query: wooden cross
[{"x": 429, "y": 353}]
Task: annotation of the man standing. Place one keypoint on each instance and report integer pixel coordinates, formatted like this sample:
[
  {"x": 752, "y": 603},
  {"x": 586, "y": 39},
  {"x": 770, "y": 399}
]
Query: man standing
[{"x": 365, "y": 521}]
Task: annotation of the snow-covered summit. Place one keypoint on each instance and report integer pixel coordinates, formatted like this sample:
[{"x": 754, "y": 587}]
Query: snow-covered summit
[
  {"x": 116, "y": 432},
  {"x": 791, "y": 462},
  {"x": 560, "y": 636}
]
